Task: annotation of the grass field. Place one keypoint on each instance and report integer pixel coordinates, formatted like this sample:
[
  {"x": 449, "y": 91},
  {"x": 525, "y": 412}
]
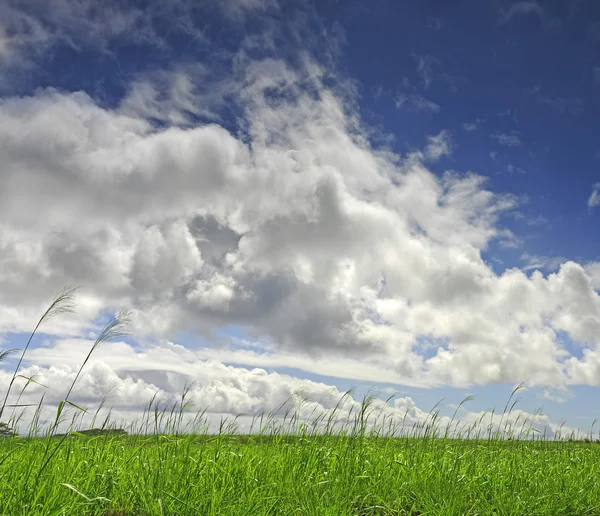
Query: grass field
[
  {"x": 286, "y": 475},
  {"x": 287, "y": 465}
]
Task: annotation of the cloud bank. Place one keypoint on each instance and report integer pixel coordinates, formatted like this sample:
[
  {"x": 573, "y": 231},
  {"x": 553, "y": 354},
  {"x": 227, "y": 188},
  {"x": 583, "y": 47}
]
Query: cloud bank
[{"x": 335, "y": 256}]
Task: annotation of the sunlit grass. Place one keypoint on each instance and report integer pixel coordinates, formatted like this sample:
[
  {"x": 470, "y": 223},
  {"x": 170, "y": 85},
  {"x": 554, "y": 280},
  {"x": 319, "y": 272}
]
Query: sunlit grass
[
  {"x": 298, "y": 474},
  {"x": 340, "y": 463}
]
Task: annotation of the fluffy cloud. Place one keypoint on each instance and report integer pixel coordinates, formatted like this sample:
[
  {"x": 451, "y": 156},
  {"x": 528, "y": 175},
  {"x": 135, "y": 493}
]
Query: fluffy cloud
[
  {"x": 593, "y": 271},
  {"x": 131, "y": 378},
  {"x": 339, "y": 257},
  {"x": 286, "y": 232}
]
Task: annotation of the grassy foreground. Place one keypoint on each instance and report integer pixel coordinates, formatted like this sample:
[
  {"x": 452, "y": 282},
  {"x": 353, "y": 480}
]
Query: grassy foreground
[
  {"x": 295, "y": 469},
  {"x": 287, "y": 475}
]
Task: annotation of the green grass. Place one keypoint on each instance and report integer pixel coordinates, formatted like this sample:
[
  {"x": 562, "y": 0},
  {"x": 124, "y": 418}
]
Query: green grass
[
  {"x": 286, "y": 475},
  {"x": 356, "y": 465}
]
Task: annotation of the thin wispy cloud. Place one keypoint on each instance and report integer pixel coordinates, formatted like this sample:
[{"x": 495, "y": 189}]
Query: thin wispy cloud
[
  {"x": 512, "y": 139},
  {"x": 425, "y": 64},
  {"x": 512, "y": 169},
  {"x": 528, "y": 8},
  {"x": 547, "y": 263},
  {"x": 416, "y": 103},
  {"x": 561, "y": 105},
  {"x": 438, "y": 146},
  {"x": 594, "y": 199}
]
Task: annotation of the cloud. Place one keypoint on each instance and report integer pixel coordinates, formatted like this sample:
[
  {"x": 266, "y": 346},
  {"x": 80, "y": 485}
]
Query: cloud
[
  {"x": 425, "y": 68},
  {"x": 32, "y": 28},
  {"x": 549, "y": 395},
  {"x": 174, "y": 97},
  {"x": 529, "y": 8},
  {"x": 438, "y": 146},
  {"x": 593, "y": 271},
  {"x": 425, "y": 71},
  {"x": 130, "y": 378},
  {"x": 470, "y": 127},
  {"x": 512, "y": 139},
  {"x": 561, "y": 105},
  {"x": 512, "y": 169},
  {"x": 594, "y": 199},
  {"x": 535, "y": 262},
  {"x": 493, "y": 155},
  {"x": 298, "y": 262},
  {"x": 416, "y": 103},
  {"x": 334, "y": 255}
]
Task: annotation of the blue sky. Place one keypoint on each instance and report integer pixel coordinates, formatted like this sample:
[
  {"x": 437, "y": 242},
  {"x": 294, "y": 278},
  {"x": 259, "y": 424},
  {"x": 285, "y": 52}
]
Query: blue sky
[
  {"x": 523, "y": 70},
  {"x": 307, "y": 195}
]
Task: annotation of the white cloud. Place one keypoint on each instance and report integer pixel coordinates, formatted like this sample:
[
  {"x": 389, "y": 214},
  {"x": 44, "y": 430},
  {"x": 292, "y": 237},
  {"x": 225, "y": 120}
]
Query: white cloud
[
  {"x": 594, "y": 199},
  {"x": 557, "y": 398},
  {"x": 284, "y": 227},
  {"x": 535, "y": 262},
  {"x": 289, "y": 238},
  {"x": 561, "y": 105},
  {"x": 425, "y": 68},
  {"x": 529, "y": 8},
  {"x": 174, "y": 97},
  {"x": 523, "y": 8},
  {"x": 439, "y": 145},
  {"x": 512, "y": 139},
  {"x": 416, "y": 103},
  {"x": 593, "y": 271},
  {"x": 30, "y": 29},
  {"x": 512, "y": 169},
  {"x": 131, "y": 378}
]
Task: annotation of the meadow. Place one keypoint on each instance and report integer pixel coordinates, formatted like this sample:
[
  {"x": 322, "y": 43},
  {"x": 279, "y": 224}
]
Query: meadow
[
  {"x": 286, "y": 465},
  {"x": 300, "y": 474}
]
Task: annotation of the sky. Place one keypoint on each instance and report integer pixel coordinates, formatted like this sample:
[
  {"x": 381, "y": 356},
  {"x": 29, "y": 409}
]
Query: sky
[{"x": 299, "y": 198}]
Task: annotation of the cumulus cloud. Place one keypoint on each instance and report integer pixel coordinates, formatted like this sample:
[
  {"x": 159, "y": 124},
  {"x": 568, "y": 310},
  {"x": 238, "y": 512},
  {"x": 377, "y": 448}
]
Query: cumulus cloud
[
  {"x": 129, "y": 379},
  {"x": 337, "y": 255},
  {"x": 288, "y": 237},
  {"x": 593, "y": 271}
]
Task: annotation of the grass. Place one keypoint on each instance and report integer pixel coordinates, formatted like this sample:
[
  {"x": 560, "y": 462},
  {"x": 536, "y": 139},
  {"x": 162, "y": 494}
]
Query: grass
[
  {"x": 285, "y": 475},
  {"x": 356, "y": 465}
]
